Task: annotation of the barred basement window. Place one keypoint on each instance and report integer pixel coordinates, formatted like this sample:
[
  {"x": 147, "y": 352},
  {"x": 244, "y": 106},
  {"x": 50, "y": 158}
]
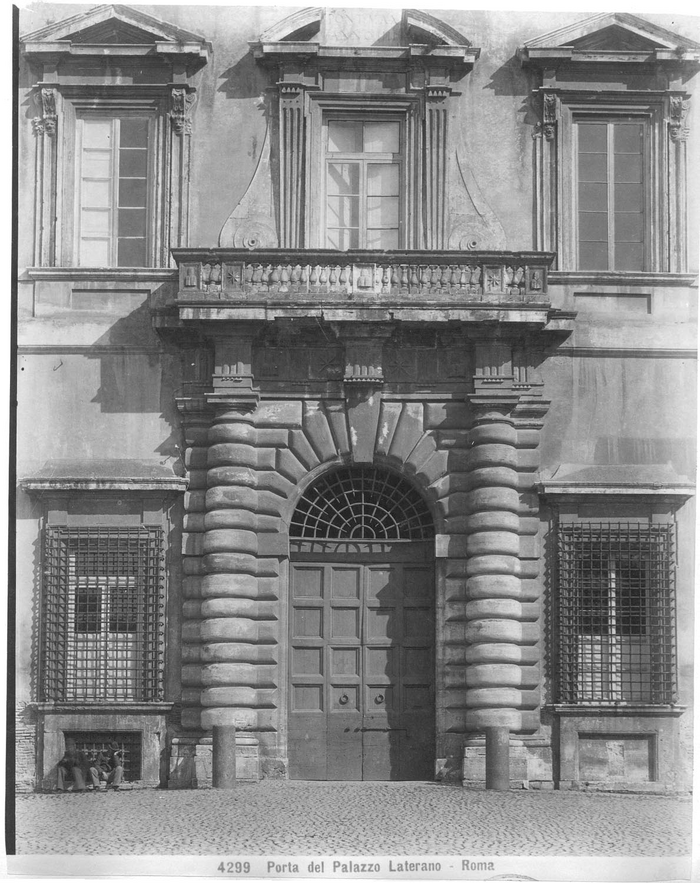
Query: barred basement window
[
  {"x": 103, "y": 614},
  {"x": 370, "y": 504},
  {"x": 616, "y": 613},
  {"x": 93, "y": 742}
]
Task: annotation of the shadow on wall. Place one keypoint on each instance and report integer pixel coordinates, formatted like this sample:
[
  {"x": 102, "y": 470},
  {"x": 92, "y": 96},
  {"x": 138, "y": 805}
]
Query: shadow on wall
[
  {"x": 245, "y": 79},
  {"x": 138, "y": 375}
]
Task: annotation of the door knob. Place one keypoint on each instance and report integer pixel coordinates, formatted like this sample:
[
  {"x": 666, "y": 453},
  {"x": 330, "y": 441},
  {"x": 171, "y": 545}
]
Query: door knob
[
  {"x": 379, "y": 698},
  {"x": 344, "y": 699}
]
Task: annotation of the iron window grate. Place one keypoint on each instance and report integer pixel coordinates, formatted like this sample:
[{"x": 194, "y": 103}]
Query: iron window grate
[
  {"x": 616, "y": 613},
  {"x": 103, "y": 614},
  {"x": 364, "y": 503},
  {"x": 92, "y": 742}
]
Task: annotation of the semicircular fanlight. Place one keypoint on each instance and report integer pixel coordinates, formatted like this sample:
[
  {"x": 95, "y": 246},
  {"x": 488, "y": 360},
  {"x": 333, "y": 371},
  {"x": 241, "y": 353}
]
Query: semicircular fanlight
[{"x": 365, "y": 503}]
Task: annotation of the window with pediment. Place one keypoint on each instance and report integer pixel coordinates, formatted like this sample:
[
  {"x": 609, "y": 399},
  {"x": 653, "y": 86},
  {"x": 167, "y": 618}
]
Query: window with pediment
[
  {"x": 113, "y": 100},
  {"x": 357, "y": 154},
  {"x": 611, "y": 152}
]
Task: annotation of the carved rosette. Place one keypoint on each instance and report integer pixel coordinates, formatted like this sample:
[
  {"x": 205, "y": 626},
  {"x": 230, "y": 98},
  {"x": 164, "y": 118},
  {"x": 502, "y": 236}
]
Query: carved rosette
[
  {"x": 181, "y": 103},
  {"x": 45, "y": 123}
]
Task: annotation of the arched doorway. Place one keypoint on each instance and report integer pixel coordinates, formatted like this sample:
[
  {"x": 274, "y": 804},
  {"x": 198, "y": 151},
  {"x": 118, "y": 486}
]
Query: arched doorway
[{"x": 361, "y": 630}]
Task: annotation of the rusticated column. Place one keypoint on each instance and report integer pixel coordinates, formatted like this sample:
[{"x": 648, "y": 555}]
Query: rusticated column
[
  {"x": 493, "y": 609},
  {"x": 235, "y": 618}
]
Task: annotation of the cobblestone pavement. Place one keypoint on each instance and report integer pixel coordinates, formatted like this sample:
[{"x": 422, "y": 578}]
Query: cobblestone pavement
[{"x": 339, "y": 818}]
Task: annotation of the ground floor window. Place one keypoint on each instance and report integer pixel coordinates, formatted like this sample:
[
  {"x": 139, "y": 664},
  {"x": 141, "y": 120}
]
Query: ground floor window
[
  {"x": 92, "y": 743},
  {"x": 103, "y": 614},
  {"x": 616, "y": 613}
]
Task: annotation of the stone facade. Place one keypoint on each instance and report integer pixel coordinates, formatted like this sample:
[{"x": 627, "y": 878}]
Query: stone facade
[{"x": 201, "y": 395}]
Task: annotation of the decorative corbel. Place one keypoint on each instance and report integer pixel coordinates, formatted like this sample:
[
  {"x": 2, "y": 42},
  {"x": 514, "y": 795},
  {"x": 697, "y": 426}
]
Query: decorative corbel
[
  {"x": 181, "y": 103},
  {"x": 678, "y": 112},
  {"x": 45, "y": 123},
  {"x": 549, "y": 115}
]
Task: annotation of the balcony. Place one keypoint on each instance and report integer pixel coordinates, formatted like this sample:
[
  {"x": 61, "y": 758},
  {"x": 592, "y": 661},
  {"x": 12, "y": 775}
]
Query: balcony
[{"x": 416, "y": 286}]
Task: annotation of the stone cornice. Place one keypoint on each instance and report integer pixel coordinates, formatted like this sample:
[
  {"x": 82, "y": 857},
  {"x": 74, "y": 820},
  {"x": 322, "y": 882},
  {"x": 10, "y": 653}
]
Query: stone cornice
[{"x": 620, "y": 280}]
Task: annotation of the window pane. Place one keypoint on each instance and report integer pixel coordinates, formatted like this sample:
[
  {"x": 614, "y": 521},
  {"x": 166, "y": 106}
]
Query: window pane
[
  {"x": 343, "y": 239},
  {"x": 343, "y": 178},
  {"x": 97, "y": 133},
  {"x": 133, "y": 163},
  {"x": 97, "y": 163},
  {"x": 132, "y": 191},
  {"x": 593, "y": 255},
  {"x": 97, "y": 194},
  {"x": 383, "y": 211},
  {"x": 382, "y": 137},
  {"x": 385, "y": 239},
  {"x": 628, "y": 168},
  {"x": 344, "y": 136},
  {"x": 132, "y": 222},
  {"x": 94, "y": 253},
  {"x": 629, "y": 256},
  {"x": 133, "y": 132},
  {"x": 131, "y": 253},
  {"x": 628, "y": 227},
  {"x": 593, "y": 197},
  {"x": 593, "y": 167},
  {"x": 383, "y": 179},
  {"x": 629, "y": 198},
  {"x": 95, "y": 222},
  {"x": 628, "y": 138},
  {"x": 593, "y": 226},
  {"x": 343, "y": 211},
  {"x": 593, "y": 137}
]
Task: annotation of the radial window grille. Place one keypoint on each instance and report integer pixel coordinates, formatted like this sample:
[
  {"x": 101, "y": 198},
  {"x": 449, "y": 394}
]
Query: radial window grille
[
  {"x": 103, "y": 614},
  {"x": 616, "y": 613},
  {"x": 369, "y": 504}
]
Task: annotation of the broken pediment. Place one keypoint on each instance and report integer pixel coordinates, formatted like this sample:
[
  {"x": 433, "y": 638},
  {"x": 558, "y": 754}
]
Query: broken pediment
[
  {"x": 387, "y": 35},
  {"x": 615, "y": 37},
  {"x": 112, "y": 30}
]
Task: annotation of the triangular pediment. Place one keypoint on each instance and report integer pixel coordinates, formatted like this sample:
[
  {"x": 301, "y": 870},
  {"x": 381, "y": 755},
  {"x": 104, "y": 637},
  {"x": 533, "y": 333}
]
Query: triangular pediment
[
  {"x": 112, "y": 25},
  {"x": 612, "y": 32}
]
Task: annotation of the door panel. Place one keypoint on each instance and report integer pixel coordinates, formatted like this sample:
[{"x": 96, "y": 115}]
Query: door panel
[{"x": 361, "y": 668}]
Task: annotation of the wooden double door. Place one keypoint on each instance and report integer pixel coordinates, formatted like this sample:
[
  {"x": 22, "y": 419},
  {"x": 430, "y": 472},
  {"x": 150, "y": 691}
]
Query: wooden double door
[{"x": 361, "y": 661}]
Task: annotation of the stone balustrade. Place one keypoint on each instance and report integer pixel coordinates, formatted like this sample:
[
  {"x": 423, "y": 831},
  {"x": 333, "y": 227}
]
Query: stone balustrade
[{"x": 427, "y": 276}]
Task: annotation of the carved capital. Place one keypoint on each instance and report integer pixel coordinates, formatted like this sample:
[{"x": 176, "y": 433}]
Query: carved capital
[
  {"x": 181, "y": 103},
  {"x": 45, "y": 123},
  {"x": 678, "y": 112}
]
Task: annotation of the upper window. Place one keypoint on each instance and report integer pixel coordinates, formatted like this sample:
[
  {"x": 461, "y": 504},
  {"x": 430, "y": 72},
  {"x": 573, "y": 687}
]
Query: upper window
[
  {"x": 114, "y": 180},
  {"x": 103, "y": 614},
  {"x": 616, "y": 615},
  {"x": 363, "y": 167},
  {"x": 611, "y": 194},
  {"x": 611, "y": 145}
]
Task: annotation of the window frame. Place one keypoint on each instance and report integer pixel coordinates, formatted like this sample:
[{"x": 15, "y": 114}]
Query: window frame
[
  {"x": 78, "y": 106},
  {"x": 577, "y": 678},
  {"x": 62, "y": 640},
  {"x": 557, "y": 196},
  {"x": 363, "y": 159},
  {"x": 610, "y": 120},
  {"x": 324, "y": 107}
]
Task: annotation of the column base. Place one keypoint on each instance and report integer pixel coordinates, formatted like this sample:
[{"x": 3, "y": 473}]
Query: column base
[{"x": 191, "y": 761}]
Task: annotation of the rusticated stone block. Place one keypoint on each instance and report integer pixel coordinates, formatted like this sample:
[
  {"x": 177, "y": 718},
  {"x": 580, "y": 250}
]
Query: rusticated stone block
[
  {"x": 237, "y": 476},
  {"x": 281, "y": 413},
  {"x": 299, "y": 444},
  {"x": 218, "y": 607},
  {"x": 494, "y": 631},
  {"x": 229, "y": 541},
  {"x": 493, "y": 608},
  {"x": 318, "y": 431},
  {"x": 388, "y": 420}
]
